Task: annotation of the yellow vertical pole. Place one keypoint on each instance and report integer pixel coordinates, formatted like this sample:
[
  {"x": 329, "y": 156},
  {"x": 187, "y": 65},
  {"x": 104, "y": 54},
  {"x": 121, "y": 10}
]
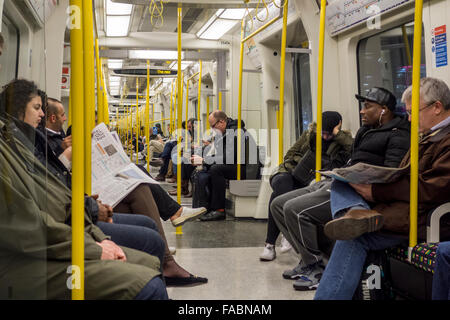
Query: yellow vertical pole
[
  {"x": 199, "y": 99},
  {"x": 101, "y": 102},
  {"x": 77, "y": 93},
  {"x": 239, "y": 135},
  {"x": 138, "y": 125},
  {"x": 207, "y": 113},
  {"x": 220, "y": 100},
  {"x": 89, "y": 89},
  {"x": 127, "y": 120},
  {"x": 179, "y": 230},
  {"x": 147, "y": 116},
  {"x": 186, "y": 143},
  {"x": 69, "y": 121},
  {"x": 171, "y": 110},
  {"x": 323, "y": 9},
  {"x": 414, "y": 185},
  {"x": 131, "y": 133},
  {"x": 99, "y": 80},
  {"x": 282, "y": 72},
  {"x": 406, "y": 42}
]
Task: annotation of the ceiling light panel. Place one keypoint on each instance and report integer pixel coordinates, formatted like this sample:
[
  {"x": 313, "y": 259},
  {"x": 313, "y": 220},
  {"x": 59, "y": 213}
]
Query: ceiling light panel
[
  {"x": 234, "y": 14},
  {"x": 118, "y": 9},
  {"x": 153, "y": 54},
  {"x": 217, "y": 29},
  {"x": 117, "y": 26}
]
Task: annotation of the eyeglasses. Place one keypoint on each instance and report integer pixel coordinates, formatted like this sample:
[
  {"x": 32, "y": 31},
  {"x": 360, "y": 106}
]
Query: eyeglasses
[
  {"x": 408, "y": 112},
  {"x": 214, "y": 125}
]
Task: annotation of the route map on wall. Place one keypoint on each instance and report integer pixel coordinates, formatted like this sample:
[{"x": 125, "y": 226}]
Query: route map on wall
[{"x": 345, "y": 14}]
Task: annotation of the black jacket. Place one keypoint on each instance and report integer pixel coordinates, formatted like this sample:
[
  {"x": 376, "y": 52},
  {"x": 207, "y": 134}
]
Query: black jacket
[
  {"x": 384, "y": 146},
  {"x": 55, "y": 140}
]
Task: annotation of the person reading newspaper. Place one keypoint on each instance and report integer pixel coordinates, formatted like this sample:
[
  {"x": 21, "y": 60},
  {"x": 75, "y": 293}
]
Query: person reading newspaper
[
  {"x": 379, "y": 219},
  {"x": 383, "y": 140}
]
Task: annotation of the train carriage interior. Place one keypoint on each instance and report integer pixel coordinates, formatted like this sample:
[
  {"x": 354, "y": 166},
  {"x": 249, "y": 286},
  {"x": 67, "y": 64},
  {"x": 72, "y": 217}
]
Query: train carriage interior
[{"x": 258, "y": 61}]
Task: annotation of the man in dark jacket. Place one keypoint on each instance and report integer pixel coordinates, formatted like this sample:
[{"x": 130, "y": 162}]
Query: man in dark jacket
[
  {"x": 300, "y": 214},
  {"x": 55, "y": 118},
  {"x": 221, "y": 160},
  {"x": 390, "y": 201}
]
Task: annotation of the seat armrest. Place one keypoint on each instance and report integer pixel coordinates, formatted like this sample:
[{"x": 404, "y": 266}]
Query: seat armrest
[{"x": 433, "y": 222}]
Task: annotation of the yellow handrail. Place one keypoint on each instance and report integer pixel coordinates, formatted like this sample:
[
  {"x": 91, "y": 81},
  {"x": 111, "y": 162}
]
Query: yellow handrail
[
  {"x": 239, "y": 135},
  {"x": 243, "y": 40},
  {"x": 220, "y": 100},
  {"x": 147, "y": 116},
  {"x": 186, "y": 142},
  {"x": 414, "y": 185},
  {"x": 199, "y": 100},
  {"x": 138, "y": 125},
  {"x": 77, "y": 93},
  {"x": 207, "y": 113},
  {"x": 101, "y": 103},
  {"x": 99, "y": 81},
  {"x": 179, "y": 111},
  {"x": 89, "y": 89},
  {"x": 282, "y": 72},
  {"x": 323, "y": 8}
]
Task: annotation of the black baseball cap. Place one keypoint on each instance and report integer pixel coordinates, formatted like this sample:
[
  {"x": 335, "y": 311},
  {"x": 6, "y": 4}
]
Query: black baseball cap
[{"x": 381, "y": 96}]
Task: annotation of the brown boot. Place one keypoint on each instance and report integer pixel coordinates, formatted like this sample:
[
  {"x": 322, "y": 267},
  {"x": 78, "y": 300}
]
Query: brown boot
[
  {"x": 354, "y": 224},
  {"x": 184, "y": 188}
]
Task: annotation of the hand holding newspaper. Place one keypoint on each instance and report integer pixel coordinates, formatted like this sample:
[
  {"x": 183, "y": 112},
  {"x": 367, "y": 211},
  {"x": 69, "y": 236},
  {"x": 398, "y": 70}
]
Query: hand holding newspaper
[
  {"x": 113, "y": 174},
  {"x": 363, "y": 173}
]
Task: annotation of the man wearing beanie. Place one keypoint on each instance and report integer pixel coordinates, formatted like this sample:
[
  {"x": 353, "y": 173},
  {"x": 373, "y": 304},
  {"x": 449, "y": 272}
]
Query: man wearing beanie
[
  {"x": 297, "y": 169},
  {"x": 301, "y": 214}
]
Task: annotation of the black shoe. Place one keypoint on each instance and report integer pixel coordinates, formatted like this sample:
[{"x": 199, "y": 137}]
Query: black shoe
[
  {"x": 213, "y": 216},
  {"x": 189, "y": 281}
]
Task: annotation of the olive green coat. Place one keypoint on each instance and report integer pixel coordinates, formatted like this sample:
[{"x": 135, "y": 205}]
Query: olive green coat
[
  {"x": 36, "y": 237},
  {"x": 341, "y": 143}
]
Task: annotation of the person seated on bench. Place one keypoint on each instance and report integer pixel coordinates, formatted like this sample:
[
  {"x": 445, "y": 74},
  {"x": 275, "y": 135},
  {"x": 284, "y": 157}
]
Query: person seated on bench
[
  {"x": 382, "y": 220},
  {"x": 222, "y": 164},
  {"x": 297, "y": 169},
  {"x": 441, "y": 276}
]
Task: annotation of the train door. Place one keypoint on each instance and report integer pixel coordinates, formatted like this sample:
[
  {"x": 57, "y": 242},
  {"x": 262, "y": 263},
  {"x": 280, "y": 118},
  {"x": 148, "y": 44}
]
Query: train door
[
  {"x": 9, "y": 58},
  {"x": 302, "y": 92}
]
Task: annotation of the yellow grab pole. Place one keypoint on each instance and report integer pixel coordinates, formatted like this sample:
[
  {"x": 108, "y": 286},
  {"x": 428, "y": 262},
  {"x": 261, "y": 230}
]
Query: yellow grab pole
[
  {"x": 147, "y": 116},
  {"x": 239, "y": 135},
  {"x": 414, "y": 185},
  {"x": 186, "y": 144},
  {"x": 105, "y": 108},
  {"x": 282, "y": 72},
  {"x": 101, "y": 103},
  {"x": 131, "y": 135},
  {"x": 260, "y": 29},
  {"x": 69, "y": 121},
  {"x": 99, "y": 81},
  {"x": 220, "y": 100},
  {"x": 199, "y": 101},
  {"x": 77, "y": 93},
  {"x": 138, "y": 125},
  {"x": 89, "y": 89},
  {"x": 179, "y": 230},
  {"x": 323, "y": 5},
  {"x": 406, "y": 42},
  {"x": 207, "y": 113}
]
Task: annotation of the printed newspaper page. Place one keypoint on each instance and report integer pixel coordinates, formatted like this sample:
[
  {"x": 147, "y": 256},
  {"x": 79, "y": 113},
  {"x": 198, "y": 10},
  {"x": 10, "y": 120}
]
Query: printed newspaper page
[
  {"x": 113, "y": 174},
  {"x": 363, "y": 173}
]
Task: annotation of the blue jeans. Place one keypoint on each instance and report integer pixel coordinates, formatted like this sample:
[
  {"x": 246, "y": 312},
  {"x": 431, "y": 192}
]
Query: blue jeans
[
  {"x": 441, "y": 278},
  {"x": 343, "y": 271},
  {"x": 343, "y": 196},
  {"x": 135, "y": 231},
  {"x": 155, "y": 289}
]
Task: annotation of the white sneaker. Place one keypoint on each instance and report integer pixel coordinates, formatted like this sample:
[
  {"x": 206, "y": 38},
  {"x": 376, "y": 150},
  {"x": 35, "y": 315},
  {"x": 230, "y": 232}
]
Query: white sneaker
[
  {"x": 188, "y": 214},
  {"x": 285, "y": 245},
  {"x": 268, "y": 253},
  {"x": 172, "y": 250}
]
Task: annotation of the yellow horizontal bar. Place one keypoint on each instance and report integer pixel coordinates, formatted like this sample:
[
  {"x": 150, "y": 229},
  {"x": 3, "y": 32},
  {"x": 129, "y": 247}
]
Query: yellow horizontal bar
[
  {"x": 261, "y": 28},
  {"x": 165, "y": 119},
  {"x": 193, "y": 76}
]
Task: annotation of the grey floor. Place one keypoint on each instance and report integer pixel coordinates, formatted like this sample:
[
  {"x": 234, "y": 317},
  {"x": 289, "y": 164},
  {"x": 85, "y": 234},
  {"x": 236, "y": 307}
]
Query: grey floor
[{"x": 227, "y": 253}]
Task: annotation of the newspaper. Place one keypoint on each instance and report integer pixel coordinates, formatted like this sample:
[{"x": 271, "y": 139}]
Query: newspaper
[
  {"x": 363, "y": 173},
  {"x": 114, "y": 176}
]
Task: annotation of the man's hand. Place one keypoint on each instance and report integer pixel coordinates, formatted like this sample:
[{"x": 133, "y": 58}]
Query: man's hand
[
  {"x": 105, "y": 212},
  {"x": 111, "y": 251},
  {"x": 68, "y": 153},
  {"x": 196, "y": 160},
  {"x": 67, "y": 142},
  {"x": 365, "y": 190},
  {"x": 337, "y": 128}
]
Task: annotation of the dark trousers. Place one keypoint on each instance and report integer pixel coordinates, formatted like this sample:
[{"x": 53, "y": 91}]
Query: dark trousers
[
  {"x": 218, "y": 173},
  {"x": 281, "y": 183},
  {"x": 155, "y": 289},
  {"x": 135, "y": 231},
  {"x": 186, "y": 171},
  {"x": 166, "y": 205},
  {"x": 166, "y": 156}
]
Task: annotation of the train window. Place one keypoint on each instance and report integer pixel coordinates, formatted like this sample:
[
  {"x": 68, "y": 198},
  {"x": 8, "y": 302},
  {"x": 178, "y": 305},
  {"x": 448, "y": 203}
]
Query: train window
[
  {"x": 9, "y": 57},
  {"x": 385, "y": 60},
  {"x": 302, "y": 92}
]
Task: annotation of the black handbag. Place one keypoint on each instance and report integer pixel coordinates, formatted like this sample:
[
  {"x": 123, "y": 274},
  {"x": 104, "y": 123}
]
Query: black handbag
[{"x": 304, "y": 172}]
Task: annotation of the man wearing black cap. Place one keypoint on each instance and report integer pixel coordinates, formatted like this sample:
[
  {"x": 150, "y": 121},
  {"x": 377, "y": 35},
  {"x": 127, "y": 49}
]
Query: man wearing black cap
[{"x": 383, "y": 140}]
